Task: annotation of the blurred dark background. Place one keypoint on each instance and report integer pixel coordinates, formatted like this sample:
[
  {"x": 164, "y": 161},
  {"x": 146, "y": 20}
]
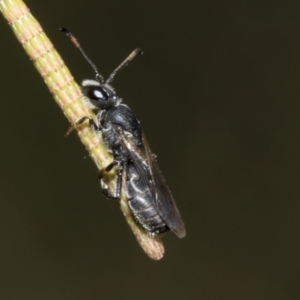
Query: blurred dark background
[{"x": 218, "y": 95}]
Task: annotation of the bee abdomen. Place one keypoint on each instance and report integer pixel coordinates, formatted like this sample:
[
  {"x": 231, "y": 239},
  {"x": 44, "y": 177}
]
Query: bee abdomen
[
  {"x": 147, "y": 216},
  {"x": 141, "y": 205}
]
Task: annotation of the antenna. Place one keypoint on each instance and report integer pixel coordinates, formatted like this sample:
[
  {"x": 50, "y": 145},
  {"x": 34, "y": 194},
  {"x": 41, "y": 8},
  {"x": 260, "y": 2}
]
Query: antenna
[
  {"x": 125, "y": 63},
  {"x": 73, "y": 39},
  {"x": 99, "y": 77}
]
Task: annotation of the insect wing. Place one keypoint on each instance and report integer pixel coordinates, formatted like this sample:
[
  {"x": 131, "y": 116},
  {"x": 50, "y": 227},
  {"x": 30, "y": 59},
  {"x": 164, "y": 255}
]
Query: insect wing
[
  {"x": 139, "y": 160},
  {"x": 165, "y": 202},
  {"x": 153, "y": 180}
]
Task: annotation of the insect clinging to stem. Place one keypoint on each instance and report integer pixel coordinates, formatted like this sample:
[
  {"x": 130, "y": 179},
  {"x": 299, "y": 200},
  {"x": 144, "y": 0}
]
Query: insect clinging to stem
[{"x": 149, "y": 198}]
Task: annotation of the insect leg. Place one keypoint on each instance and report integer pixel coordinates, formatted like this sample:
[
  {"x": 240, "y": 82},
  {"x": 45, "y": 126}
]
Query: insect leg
[
  {"x": 107, "y": 169},
  {"x": 119, "y": 180},
  {"x": 119, "y": 177},
  {"x": 92, "y": 124}
]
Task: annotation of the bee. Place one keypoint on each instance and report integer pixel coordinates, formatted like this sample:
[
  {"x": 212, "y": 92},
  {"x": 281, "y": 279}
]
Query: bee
[{"x": 149, "y": 198}]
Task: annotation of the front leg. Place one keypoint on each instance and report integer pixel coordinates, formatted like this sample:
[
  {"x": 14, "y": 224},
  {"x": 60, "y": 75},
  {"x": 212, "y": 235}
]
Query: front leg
[{"x": 92, "y": 124}]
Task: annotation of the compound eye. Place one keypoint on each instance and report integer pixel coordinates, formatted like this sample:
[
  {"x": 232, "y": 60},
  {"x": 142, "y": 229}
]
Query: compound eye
[{"x": 97, "y": 93}]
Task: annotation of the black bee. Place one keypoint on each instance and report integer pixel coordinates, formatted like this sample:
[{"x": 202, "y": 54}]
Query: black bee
[{"x": 149, "y": 197}]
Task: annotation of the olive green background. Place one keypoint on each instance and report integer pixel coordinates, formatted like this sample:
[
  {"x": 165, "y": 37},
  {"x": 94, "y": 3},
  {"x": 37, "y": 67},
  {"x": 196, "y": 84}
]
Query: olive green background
[{"x": 218, "y": 94}]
